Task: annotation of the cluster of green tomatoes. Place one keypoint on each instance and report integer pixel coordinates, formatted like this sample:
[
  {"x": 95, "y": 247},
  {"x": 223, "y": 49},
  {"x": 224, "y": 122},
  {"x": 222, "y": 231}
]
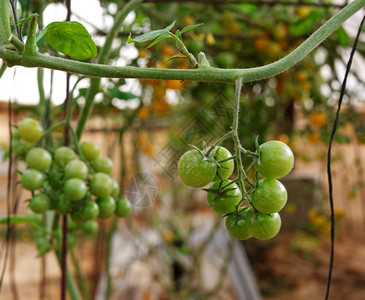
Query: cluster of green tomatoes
[
  {"x": 79, "y": 185},
  {"x": 266, "y": 196}
]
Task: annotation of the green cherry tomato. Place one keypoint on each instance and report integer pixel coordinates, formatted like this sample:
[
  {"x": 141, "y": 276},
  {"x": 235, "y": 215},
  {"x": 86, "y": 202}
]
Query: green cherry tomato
[
  {"x": 270, "y": 196},
  {"x": 62, "y": 205},
  {"x": 116, "y": 189},
  {"x": 103, "y": 165},
  {"x": 90, "y": 227},
  {"x": 239, "y": 227},
  {"x": 276, "y": 159},
  {"x": 30, "y": 130},
  {"x": 39, "y": 159},
  {"x": 194, "y": 170},
  {"x": 227, "y": 167},
  {"x": 89, "y": 211},
  {"x": 40, "y": 203},
  {"x": 265, "y": 227},
  {"x": 32, "y": 179},
  {"x": 74, "y": 189},
  {"x": 123, "y": 208},
  {"x": 106, "y": 207},
  {"x": 90, "y": 150},
  {"x": 101, "y": 185},
  {"x": 228, "y": 200},
  {"x": 76, "y": 169},
  {"x": 63, "y": 155}
]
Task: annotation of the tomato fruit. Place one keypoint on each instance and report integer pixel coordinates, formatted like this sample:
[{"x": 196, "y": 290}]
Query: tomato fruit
[
  {"x": 74, "y": 189},
  {"x": 90, "y": 227},
  {"x": 40, "y": 203},
  {"x": 90, "y": 150},
  {"x": 276, "y": 159},
  {"x": 89, "y": 211},
  {"x": 123, "y": 208},
  {"x": 39, "y": 159},
  {"x": 30, "y": 130},
  {"x": 270, "y": 196},
  {"x": 227, "y": 167},
  {"x": 63, "y": 155},
  {"x": 116, "y": 189},
  {"x": 32, "y": 179},
  {"x": 101, "y": 185},
  {"x": 106, "y": 206},
  {"x": 194, "y": 170},
  {"x": 76, "y": 169},
  {"x": 103, "y": 165},
  {"x": 265, "y": 226},
  {"x": 227, "y": 201},
  {"x": 62, "y": 205},
  {"x": 239, "y": 227}
]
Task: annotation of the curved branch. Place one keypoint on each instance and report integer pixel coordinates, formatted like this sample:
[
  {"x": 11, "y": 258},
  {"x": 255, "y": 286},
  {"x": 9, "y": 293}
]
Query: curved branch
[{"x": 202, "y": 74}]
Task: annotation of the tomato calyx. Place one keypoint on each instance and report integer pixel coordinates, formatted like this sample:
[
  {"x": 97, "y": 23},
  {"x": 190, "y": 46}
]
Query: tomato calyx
[
  {"x": 208, "y": 156},
  {"x": 221, "y": 192}
]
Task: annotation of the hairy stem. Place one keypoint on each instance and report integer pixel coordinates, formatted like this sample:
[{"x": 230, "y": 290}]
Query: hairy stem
[{"x": 202, "y": 74}]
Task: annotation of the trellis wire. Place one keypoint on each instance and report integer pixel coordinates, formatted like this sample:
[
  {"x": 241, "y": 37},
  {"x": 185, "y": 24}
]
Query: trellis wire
[{"x": 343, "y": 87}]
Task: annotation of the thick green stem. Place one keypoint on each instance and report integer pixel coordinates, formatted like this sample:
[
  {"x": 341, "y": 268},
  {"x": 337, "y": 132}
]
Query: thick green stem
[
  {"x": 102, "y": 59},
  {"x": 5, "y": 12},
  {"x": 201, "y": 74}
]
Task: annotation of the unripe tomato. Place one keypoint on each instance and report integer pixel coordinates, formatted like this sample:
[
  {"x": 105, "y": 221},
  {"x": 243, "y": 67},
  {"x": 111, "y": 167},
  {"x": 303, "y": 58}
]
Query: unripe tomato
[
  {"x": 74, "y": 189},
  {"x": 106, "y": 207},
  {"x": 270, "y": 196},
  {"x": 227, "y": 167},
  {"x": 123, "y": 208},
  {"x": 76, "y": 169},
  {"x": 103, "y": 165},
  {"x": 30, "y": 130},
  {"x": 225, "y": 205},
  {"x": 194, "y": 170},
  {"x": 39, "y": 159},
  {"x": 89, "y": 211},
  {"x": 239, "y": 227},
  {"x": 276, "y": 159},
  {"x": 63, "y": 155},
  {"x": 101, "y": 185},
  {"x": 90, "y": 150},
  {"x": 265, "y": 226},
  {"x": 116, "y": 189},
  {"x": 40, "y": 203},
  {"x": 90, "y": 227},
  {"x": 32, "y": 179}
]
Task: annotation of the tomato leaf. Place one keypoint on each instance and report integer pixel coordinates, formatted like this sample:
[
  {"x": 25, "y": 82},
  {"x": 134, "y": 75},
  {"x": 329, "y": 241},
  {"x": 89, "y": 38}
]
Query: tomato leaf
[
  {"x": 342, "y": 36},
  {"x": 70, "y": 38},
  {"x": 159, "y": 39},
  {"x": 149, "y": 36},
  {"x": 190, "y": 27},
  {"x": 116, "y": 93},
  {"x": 176, "y": 56},
  {"x": 305, "y": 25}
]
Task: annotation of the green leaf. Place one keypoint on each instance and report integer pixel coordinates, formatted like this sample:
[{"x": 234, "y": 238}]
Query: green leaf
[
  {"x": 116, "y": 93},
  {"x": 149, "y": 36},
  {"x": 13, "y": 219},
  {"x": 176, "y": 56},
  {"x": 190, "y": 27},
  {"x": 159, "y": 39},
  {"x": 305, "y": 26},
  {"x": 70, "y": 38},
  {"x": 342, "y": 36}
]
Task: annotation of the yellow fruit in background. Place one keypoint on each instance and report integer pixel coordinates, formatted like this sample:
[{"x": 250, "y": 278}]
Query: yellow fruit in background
[
  {"x": 301, "y": 75},
  {"x": 314, "y": 137},
  {"x": 318, "y": 119},
  {"x": 143, "y": 112},
  {"x": 188, "y": 20},
  {"x": 261, "y": 43},
  {"x": 303, "y": 11},
  {"x": 284, "y": 138}
]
